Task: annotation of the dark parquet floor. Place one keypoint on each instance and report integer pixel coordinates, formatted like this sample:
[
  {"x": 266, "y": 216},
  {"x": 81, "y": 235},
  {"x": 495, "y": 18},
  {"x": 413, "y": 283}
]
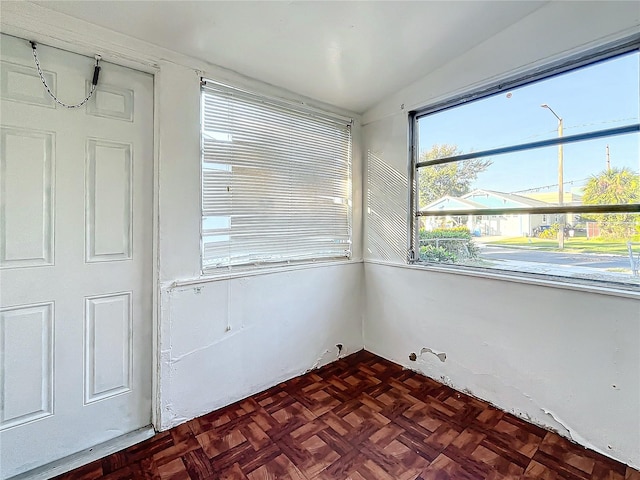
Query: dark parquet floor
[{"x": 360, "y": 418}]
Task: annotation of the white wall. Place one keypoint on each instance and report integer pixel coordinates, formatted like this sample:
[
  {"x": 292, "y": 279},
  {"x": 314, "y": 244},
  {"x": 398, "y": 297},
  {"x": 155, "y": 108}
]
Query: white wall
[
  {"x": 219, "y": 340},
  {"x": 224, "y": 340},
  {"x": 566, "y": 359},
  {"x": 232, "y": 338}
]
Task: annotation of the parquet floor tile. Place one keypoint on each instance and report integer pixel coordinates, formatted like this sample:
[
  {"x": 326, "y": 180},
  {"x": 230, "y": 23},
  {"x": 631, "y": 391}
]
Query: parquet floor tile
[{"x": 360, "y": 418}]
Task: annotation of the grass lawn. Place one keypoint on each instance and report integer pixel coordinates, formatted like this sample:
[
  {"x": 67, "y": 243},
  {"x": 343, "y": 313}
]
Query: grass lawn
[{"x": 574, "y": 245}]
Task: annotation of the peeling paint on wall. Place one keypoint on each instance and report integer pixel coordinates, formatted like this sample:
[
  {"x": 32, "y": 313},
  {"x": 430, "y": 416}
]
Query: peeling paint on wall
[
  {"x": 553, "y": 423},
  {"x": 316, "y": 364},
  {"x": 441, "y": 355},
  {"x": 565, "y": 430}
]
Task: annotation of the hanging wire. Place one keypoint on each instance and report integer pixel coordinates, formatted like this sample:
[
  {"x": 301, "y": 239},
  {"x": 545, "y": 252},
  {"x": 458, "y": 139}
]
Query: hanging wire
[{"x": 94, "y": 82}]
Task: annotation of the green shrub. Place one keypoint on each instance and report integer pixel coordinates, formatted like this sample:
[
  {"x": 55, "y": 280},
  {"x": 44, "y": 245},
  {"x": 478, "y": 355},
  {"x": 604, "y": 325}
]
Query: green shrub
[
  {"x": 429, "y": 253},
  {"x": 455, "y": 232},
  {"x": 447, "y": 245}
]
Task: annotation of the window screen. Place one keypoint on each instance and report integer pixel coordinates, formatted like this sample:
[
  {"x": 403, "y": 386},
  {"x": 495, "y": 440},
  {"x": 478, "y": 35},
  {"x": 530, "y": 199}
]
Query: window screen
[{"x": 276, "y": 181}]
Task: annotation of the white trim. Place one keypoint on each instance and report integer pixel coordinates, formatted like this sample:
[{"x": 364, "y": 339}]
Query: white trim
[
  {"x": 524, "y": 278},
  {"x": 88, "y": 455},
  {"x": 37, "y": 23},
  {"x": 252, "y": 271},
  {"x": 155, "y": 262}
]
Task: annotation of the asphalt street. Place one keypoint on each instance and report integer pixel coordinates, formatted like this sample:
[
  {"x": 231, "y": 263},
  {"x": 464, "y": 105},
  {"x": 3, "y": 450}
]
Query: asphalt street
[{"x": 601, "y": 261}]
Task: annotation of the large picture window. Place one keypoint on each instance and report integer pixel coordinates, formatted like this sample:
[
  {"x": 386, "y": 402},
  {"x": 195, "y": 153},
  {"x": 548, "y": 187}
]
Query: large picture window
[
  {"x": 276, "y": 181},
  {"x": 539, "y": 175}
]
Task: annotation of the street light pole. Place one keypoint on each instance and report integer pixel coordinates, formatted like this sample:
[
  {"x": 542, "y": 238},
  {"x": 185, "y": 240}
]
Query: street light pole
[{"x": 560, "y": 175}]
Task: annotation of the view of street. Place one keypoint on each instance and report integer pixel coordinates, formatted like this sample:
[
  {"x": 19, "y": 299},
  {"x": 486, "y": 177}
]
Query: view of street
[
  {"x": 586, "y": 265},
  {"x": 599, "y": 261}
]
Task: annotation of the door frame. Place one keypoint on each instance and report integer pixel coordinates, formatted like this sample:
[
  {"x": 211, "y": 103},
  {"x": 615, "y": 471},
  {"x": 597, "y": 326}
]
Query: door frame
[{"x": 28, "y": 25}]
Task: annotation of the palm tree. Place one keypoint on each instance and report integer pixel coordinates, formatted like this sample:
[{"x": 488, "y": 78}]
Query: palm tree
[
  {"x": 612, "y": 187},
  {"x": 617, "y": 186}
]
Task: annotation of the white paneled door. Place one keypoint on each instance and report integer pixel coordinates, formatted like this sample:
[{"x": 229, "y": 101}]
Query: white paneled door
[{"x": 76, "y": 194}]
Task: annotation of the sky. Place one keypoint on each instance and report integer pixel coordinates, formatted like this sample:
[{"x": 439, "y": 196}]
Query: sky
[{"x": 600, "y": 96}]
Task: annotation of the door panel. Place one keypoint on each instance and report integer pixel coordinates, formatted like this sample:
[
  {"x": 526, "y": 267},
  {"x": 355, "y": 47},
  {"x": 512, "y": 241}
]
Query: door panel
[
  {"x": 108, "y": 191},
  {"x": 107, "y": 346},
  {"x": 75, "y": 256},
  {"x": 27, "y": 203},
  {"x": 29, "y": 327}
]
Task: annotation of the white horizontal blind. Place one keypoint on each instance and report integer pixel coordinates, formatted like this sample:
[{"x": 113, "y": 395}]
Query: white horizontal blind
[{"x": 276, "y": 181}]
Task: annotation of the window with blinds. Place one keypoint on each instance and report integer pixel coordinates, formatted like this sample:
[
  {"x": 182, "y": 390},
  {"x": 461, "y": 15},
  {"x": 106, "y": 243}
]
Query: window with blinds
[{"x": 276, "y": 181}]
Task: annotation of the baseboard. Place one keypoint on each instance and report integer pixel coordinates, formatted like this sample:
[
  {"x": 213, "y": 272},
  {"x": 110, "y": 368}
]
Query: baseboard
[{"x": 87, "y": 456}]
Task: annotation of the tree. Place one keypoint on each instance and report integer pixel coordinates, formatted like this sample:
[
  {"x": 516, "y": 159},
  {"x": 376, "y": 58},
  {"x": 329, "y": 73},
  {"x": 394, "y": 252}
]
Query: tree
[
  {"x": 614, "y": 187},
  {"x": 454, "y": 179}
]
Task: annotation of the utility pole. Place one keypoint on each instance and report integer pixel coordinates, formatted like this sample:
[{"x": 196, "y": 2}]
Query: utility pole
[
  {"x": 608, "y": 160},
  {"x": 560, "y": 176}
]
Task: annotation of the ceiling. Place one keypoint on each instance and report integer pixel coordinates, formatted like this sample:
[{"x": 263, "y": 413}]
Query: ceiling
[{"x": 348, "y": 54}]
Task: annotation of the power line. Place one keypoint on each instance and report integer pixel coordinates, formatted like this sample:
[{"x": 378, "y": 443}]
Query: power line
[
  {"x": 571, "y": 127},
  {"x": 553, "y": 186}
]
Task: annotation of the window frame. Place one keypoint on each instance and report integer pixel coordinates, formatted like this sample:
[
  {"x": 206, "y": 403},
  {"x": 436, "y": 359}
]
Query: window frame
[
  {"x": 301, "y": 108},
  {"x": 572, "y": 62}
]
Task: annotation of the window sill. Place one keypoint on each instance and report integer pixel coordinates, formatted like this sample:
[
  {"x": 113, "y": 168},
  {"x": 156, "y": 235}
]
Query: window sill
[
  {"x": 253, "y": 271},
  {"x": 630, "y": 291}
]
